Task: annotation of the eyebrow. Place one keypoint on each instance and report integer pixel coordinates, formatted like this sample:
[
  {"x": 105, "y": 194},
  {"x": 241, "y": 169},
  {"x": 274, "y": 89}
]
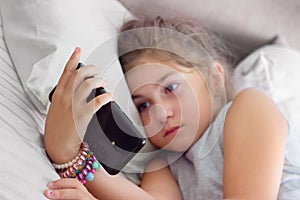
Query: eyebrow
[
  {"x": 161, "y": 80},
  {"x": 136, "y": 96}
]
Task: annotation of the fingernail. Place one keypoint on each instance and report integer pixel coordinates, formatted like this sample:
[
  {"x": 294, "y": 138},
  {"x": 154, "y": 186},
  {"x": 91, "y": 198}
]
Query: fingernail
[
  {"x": 76, "y": 51},
  {"x": 50, "y": 185},
  {"x": 50, "y": 193}
]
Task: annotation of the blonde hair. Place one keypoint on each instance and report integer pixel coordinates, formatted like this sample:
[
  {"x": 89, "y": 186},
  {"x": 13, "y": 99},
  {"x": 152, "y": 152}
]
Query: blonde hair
[{"x": 182, "y": 43}]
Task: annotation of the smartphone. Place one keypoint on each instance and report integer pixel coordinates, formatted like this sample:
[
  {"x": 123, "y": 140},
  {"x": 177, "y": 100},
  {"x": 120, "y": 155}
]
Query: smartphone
[{"x": 111, "y": 135}]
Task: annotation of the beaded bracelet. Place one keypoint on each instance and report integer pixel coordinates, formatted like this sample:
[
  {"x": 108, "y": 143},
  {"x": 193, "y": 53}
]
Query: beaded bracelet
[
  {"x": 83, "y": 152},
  {"x": 84, "y": 167}
]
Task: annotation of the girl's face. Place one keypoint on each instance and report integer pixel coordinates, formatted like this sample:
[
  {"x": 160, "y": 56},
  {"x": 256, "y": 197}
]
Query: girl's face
[{"x": 173, "y": 102}]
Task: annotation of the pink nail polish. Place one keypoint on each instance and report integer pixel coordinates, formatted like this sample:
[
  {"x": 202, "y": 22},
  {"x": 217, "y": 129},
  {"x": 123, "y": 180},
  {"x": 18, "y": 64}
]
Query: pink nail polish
[{"x": 50, "y": 193}]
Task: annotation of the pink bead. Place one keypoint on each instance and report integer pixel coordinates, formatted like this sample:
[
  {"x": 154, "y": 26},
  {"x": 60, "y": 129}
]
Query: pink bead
[
  {"x": 90, "y": 162},
  {"x": 79, "y": 162},
  {"x": 93, "y": 171},
  {"x": 81, "y": 176},
  {"x": 72, "y": 170},
  {"x": 88, "y": 167},
  {"x": 83, "y": 181},
  {"x": 68, "y": 173},
  {"x": 82, "y": 157},
  {"x": 75, "y": 166},
  {"x": 85, "y": 171}
]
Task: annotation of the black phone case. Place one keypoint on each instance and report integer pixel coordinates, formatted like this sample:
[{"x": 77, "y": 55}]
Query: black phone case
[{"x": 111, "y": 135}]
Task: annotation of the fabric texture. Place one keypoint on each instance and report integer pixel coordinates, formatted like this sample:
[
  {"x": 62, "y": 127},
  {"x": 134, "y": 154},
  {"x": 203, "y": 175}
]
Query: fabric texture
[
  {"x": 42, "y": 36},
  {"x": 25, "y": 169},
  {"x": 246, "y": 24},
  {"x": 275, "y": 69},
  {"x": 36, "y": 39},
  {"x": 34, "y": 46},
  {"x": 200, "y": 172},
  {"x": 39, "y": 40}
]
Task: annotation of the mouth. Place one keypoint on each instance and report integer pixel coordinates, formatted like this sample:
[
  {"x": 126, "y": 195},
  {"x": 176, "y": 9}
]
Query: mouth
[{"x": 171, "y": 131}]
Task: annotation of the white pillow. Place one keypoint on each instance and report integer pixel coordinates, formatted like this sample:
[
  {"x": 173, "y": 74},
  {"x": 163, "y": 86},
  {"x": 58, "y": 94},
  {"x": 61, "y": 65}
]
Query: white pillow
[
  {"x": 43, "y": 34},
  {"x": 276, "y": 70}
]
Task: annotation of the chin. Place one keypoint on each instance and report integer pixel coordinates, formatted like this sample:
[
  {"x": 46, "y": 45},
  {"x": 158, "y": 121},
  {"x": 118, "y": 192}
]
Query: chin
[{"x": 178, "y": 146}]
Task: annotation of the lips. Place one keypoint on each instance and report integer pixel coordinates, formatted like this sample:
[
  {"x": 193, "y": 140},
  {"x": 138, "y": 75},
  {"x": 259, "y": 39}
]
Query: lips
[{"x": 171, "y": 131}]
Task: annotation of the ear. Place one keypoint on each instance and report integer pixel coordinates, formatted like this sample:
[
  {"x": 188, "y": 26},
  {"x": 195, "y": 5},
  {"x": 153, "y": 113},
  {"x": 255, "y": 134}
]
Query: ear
[{"x": 220, "y": 69}]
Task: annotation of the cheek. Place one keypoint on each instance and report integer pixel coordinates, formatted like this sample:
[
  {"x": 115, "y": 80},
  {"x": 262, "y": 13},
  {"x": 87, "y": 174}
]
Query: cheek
[
  {"x": 153, "y": 130},
  {"x": 195, "y": 106},
  {"x": 191, "y": 114},
  {"x": 189, "y": 105},
  {"x": 157, "y": 141},
  {"x": 151, "y": 124},
  {"x": 145, "y": 118}
]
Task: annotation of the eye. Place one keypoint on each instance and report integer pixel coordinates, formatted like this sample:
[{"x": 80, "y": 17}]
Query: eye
[
  {"x": 143, "y": 106},
  {"x": 171, "y": 87}
]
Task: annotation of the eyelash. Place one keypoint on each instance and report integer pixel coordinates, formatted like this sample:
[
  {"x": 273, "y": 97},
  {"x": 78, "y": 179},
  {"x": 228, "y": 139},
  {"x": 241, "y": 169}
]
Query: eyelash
[
  {"x": 169, "y": 88},
  {"x": 141, "y": 106}
]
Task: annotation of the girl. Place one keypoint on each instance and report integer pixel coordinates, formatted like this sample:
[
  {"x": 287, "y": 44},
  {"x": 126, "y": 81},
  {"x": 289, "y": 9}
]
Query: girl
[{"x": 179, "y": 80}]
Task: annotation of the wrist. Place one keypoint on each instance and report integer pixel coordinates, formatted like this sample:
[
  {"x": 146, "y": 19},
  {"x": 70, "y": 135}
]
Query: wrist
[
  {"x": 61, "y": 146},
  {"x": 83, "y": 167},
  {"x": 80, "y": 158},
  {"x": 60, "y": 152}
]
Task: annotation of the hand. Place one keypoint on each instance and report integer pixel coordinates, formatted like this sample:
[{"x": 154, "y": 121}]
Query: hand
[
  {"x": 69, "y": 113},
  {"x": 68, "y": 188}
]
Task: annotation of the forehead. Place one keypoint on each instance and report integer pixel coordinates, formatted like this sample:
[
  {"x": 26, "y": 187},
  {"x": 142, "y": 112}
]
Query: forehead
[{"x": 152, "y": 73}]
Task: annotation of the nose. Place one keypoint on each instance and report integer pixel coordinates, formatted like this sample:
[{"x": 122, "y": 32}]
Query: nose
[{"x": 162, "y": 112}]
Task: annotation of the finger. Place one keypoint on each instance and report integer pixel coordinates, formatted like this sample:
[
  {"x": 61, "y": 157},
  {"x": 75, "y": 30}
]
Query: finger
[
  {"x": 79, "y": 76},
  {"x": 87, "y": 86},
  {"x": 86, "y": 72},
  {"x": 94, "y": 105},
  {"x": 69, "y": 68},
  {"x": 67, "y": 194},
  {"x": 65, "y": 183}
]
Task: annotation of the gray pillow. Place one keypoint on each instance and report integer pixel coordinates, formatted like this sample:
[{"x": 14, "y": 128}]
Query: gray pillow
[{"x": 275, "y": 69}]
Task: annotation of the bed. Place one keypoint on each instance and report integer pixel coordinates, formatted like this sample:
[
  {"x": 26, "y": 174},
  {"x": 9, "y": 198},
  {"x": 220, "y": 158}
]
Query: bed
[{"x": 34, "y": 48}]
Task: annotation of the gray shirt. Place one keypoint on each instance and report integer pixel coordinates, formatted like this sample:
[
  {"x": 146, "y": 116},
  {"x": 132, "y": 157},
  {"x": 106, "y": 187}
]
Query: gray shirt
[{"x": 199, "y": 171}]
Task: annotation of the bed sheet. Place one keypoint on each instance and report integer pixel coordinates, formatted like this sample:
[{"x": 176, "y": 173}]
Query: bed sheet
[
  {"x": 25, "y": 168},
  {"x": 23, "y": 117}
]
